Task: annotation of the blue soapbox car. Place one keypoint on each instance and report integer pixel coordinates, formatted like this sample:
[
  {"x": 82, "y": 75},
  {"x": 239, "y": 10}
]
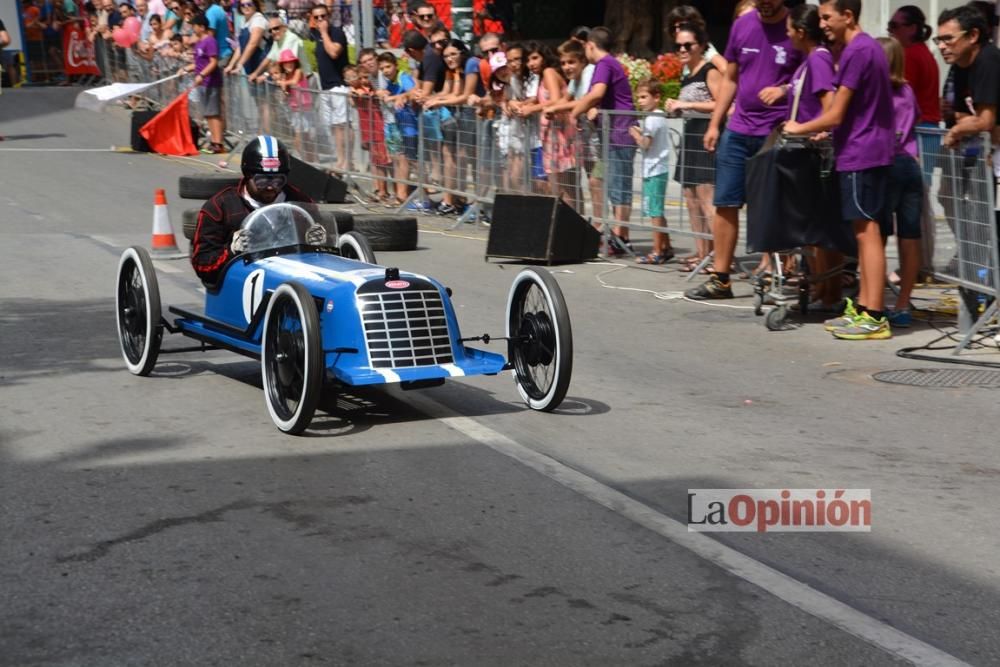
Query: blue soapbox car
[{"x": 318, "y": 315}]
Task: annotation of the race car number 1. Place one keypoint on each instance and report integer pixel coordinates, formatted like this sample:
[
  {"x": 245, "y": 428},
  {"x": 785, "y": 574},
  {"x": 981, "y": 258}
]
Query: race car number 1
[{"x": 253, "y": 293}]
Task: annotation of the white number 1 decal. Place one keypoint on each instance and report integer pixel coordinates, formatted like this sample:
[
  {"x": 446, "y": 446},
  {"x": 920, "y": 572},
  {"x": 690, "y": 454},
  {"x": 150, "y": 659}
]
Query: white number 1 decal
[{"x": 253, "y": 293}]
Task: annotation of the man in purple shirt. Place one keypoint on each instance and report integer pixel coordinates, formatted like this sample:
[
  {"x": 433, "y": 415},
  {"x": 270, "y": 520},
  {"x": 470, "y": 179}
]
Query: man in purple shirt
[
  {"x": 864, "y": 140},
  {"x": 610, "y": 90},
  {"x": 208, "y": 78},
  {"x": 760, "y": 62}
]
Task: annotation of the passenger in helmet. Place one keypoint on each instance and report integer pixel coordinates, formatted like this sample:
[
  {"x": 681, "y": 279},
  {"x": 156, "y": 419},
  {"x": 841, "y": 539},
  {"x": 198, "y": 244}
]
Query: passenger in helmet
[{"x": 218, "y": 237}]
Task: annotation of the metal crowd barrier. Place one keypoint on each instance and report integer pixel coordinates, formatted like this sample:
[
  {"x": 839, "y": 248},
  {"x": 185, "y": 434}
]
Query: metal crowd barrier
[{"x": 963, "y": 187}]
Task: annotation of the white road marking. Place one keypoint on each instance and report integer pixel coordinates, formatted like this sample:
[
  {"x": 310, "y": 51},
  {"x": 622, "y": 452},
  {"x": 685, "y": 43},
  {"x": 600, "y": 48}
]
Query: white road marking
[
  {"x": 782, "y": 586},
  {"x": 104, "y": 240}
]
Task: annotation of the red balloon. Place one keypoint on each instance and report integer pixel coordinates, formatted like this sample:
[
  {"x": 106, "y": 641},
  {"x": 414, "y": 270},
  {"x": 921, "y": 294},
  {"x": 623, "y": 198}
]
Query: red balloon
[
  {"x": 133, "y": 25},
  {"x": 123, "y": 38}
]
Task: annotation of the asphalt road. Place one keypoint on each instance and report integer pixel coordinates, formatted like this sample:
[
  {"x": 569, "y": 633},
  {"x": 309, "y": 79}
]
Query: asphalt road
[{"x": 164, "y": 521}]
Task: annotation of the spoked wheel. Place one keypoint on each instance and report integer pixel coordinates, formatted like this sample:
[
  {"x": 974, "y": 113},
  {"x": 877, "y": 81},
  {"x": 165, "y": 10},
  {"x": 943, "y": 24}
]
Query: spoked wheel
[
  {"x": 353, "y": 245},
  {"x": 540, "y": 346},
  {"x": 137, "y": 306},
  {"x": 291, "y": 358}
]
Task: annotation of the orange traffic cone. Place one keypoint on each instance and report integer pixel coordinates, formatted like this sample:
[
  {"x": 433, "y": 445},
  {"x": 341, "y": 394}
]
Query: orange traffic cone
[{"x": 164, "y": 241}]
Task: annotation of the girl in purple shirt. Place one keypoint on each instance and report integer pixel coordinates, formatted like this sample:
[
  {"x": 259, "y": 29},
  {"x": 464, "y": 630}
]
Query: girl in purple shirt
[
  {"x": 811, "y": 93},
  {"x": 905, "y": 197}
]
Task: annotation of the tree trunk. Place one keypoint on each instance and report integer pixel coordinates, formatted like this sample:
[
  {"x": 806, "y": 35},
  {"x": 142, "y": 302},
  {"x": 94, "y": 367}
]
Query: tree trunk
[{"x": 639, "y": 26}]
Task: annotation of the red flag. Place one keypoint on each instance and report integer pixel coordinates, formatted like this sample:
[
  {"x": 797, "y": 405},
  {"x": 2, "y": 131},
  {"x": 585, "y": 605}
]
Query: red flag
[{"x": 169, "y": 132}]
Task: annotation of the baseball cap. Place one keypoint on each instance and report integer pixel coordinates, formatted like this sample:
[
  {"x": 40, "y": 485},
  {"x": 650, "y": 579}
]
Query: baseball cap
[{"x": 498, "y": 60}]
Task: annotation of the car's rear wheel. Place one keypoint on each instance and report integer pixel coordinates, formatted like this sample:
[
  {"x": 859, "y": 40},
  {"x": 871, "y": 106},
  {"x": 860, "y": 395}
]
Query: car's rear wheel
[
  {"x": 137, "y": 307},
  {"x": 540, "y": 345},
  {"x": 292, "y": 358},
  {"x": 353, "y": 245}
]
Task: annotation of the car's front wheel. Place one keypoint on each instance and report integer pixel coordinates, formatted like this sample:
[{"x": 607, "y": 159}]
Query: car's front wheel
[
  {"x": 291, "y": 358},
  {"x": 540, "y": 339},
  {"x": 137, "y": 308}
]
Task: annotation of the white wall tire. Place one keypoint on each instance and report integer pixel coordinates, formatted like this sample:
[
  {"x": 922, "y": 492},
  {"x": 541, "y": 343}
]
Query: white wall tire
[
  {"x": 540, "y": 339},
  {"x": 291, "y": 358},
  {"x": 137, "y": 310}
]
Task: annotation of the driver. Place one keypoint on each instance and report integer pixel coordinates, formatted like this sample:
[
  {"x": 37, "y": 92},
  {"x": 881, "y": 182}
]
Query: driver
[{"x": 218, "y": 237}]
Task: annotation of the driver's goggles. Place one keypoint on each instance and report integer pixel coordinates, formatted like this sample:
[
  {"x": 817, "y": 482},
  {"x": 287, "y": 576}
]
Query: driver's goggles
[{"x": 275, "y": 181}]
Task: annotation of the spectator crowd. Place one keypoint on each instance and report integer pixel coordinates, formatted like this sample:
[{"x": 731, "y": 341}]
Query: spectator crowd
[{"x": 572, "y": 121}]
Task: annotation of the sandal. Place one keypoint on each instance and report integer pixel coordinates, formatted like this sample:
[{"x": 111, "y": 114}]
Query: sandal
[
  {"x": 689, "y": 265},
  {"x": 655, "y": 258}
]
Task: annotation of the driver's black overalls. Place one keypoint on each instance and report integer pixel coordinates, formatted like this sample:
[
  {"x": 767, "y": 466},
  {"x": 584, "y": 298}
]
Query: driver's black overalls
[{"x": 218, "y": 220}]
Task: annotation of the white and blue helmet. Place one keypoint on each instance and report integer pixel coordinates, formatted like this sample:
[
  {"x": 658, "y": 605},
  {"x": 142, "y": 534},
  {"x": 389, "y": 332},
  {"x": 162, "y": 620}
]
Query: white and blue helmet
[{"x": 265, "y": 155}]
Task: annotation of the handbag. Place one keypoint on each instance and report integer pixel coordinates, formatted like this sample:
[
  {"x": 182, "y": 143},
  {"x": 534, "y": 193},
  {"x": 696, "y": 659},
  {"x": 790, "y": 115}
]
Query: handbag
[{"x": 793, "y": 199}]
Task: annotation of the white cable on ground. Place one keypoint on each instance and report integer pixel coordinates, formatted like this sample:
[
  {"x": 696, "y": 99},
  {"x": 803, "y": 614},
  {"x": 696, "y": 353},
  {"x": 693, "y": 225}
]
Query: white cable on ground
[{"x": 663, "y": 296}]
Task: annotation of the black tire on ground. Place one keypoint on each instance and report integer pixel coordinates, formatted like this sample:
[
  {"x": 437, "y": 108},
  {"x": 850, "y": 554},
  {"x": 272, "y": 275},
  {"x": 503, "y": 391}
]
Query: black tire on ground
[
  {"x": 291, "y": 358},
  {"x": 137, "y": 307},
  {"x": 540, "y": 339},
  {"x": 334, "y": 214},
  {"x": 204, "y": 186},
  {"x": 388, "y": 232},
  {"x": 354, "y": 245}
]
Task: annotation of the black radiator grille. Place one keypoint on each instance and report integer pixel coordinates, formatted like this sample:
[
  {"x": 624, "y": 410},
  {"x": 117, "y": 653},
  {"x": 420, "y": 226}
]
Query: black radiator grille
[{"x": 404, "y": 329}]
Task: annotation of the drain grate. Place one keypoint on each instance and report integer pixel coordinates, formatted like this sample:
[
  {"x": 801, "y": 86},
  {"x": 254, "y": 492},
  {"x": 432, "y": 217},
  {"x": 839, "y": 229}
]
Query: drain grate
[{"x": 942, "y": 377}]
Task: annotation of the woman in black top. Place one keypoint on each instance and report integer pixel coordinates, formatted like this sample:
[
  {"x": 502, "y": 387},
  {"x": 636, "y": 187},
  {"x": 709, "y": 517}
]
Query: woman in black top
[{"x": 696, "y": 168}]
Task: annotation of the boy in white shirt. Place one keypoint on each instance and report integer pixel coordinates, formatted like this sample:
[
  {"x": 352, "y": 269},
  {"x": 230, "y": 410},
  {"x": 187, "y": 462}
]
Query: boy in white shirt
[{"x": 654, "y": 142}]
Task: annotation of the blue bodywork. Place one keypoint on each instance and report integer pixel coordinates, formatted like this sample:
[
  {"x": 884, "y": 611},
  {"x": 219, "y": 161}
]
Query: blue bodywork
[{"x": 374, "y": 329}]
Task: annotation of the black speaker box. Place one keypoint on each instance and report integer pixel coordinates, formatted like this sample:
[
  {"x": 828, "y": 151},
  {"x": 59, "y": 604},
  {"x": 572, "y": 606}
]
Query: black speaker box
[
  {"x": 540, "y": 228},
  {"x": 318, "y": 184},
  {"x": 140, "y": 118}
]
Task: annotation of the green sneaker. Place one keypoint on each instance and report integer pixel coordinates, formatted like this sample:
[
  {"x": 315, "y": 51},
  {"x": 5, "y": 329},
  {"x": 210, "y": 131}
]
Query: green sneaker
[
  {"x": 845, "y": 320},
  {"x": 865, "y": 327}
]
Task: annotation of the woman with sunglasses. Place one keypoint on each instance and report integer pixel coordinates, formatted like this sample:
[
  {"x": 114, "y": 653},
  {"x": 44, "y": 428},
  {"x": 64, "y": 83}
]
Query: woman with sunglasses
[
  {"x": 690, "y": 16},
  {"x": 696, "y": 171}
]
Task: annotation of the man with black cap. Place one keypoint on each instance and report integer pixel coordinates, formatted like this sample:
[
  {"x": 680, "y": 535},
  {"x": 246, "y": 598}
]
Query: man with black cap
[{"x": 218, "y": 237}]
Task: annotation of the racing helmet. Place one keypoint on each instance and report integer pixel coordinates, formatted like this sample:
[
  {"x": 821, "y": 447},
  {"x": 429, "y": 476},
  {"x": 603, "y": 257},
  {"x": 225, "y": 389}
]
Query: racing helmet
[{"x": 265, "y": 155}]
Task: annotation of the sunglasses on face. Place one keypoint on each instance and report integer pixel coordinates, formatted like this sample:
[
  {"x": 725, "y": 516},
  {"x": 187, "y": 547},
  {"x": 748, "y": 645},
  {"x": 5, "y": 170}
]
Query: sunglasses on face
[
  {"x": 275, "y": 182},
  {"x": 246, "y": 4},
  {"x": 946, "y": 39},
  {"x": 320, "y": 16},
  {"x": 490, "y": 52},
  {"x": 441, "y": 43},
  {"x": 277, "y": 28},
  {"x": 686, "y": 46},
  {"x": 425, "y": 17}
]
